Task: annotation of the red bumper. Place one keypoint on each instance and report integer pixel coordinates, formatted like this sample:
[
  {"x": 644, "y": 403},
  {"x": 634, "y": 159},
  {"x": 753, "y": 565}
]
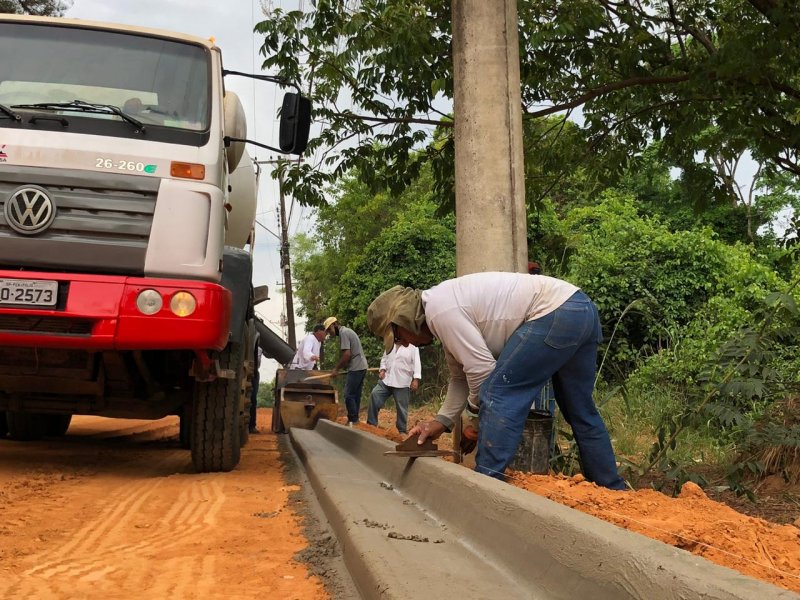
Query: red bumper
[{"x": 99, "y": 312}]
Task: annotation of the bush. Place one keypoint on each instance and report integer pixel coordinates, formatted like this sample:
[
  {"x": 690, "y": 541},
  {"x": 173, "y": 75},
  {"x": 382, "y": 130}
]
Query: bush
[
  {"x": 266, "y": 395},
  {"x": 659, "y": 290}
]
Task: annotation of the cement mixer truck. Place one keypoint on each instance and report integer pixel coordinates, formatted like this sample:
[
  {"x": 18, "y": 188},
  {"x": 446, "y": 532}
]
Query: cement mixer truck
[{"x": 127, "y": 204}]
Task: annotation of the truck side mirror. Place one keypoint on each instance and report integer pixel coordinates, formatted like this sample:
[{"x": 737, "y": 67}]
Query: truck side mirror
[
  {"x": 295, "y": 123},
  {"x": 260, "y": 294}
]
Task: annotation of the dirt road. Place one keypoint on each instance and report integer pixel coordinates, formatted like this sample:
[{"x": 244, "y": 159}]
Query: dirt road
[{"x": 113, "y": 510}]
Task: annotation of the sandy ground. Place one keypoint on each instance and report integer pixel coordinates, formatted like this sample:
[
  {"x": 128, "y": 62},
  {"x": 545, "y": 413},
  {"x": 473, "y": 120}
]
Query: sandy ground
[
  {"x": 693, "y": 522},
  {"x": 113, "y": 510}
]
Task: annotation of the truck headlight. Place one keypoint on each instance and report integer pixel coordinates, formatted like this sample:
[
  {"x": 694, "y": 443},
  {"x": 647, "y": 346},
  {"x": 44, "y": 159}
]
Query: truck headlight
[
  {"x": 183, "y": 304},
  {"x": 149, "y": 302}
]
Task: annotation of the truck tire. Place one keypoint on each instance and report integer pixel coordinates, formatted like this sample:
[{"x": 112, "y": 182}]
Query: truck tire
[
  {"x": 244, "y": 411},
  {"x": 215, "y": 422},
  {"x": 56, "y": 425},
  {"x": 185, "y": 435},
  {"x": 244, "y": 430},
  {"x": 248, "y": 367},
  {"x": 25, "y": 426}
]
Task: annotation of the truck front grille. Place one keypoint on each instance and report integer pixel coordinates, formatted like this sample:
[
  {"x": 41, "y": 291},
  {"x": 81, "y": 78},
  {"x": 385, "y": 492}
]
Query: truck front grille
[
  {"x": 102, "y": 221},
  {"x": 49, "y": 325}
]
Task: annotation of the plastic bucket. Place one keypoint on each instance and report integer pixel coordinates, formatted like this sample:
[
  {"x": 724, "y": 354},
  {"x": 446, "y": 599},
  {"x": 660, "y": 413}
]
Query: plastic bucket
[{"x": 533, "y": 453}]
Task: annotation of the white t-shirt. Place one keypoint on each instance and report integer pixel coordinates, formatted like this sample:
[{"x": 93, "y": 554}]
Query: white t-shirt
[
  {"x": 402, "y": 366},
  {"x": 308, "y": 347},
  {"x": 475, "y": 315}
]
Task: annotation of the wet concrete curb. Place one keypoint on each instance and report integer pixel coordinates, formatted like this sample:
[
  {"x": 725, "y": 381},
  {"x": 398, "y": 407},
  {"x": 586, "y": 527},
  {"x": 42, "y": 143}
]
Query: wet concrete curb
[
  {"x": 538, "y": 548},
  {"x": 392, "y": 548}
]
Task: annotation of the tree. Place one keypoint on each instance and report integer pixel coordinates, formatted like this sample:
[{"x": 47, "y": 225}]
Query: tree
[
  {"x": 711, "y": 79},
  {"x": 366, "y": 243},
  {"x": 683, "y": 202},
  {"x": 41, "y": 8},
  {"x": 345, "y": 228},
  {"x": 656, "y": 287}
]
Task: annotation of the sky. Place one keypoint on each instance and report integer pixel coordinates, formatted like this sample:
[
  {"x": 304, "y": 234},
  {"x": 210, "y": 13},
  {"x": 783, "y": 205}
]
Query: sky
[{"x": 231, "y": 24}]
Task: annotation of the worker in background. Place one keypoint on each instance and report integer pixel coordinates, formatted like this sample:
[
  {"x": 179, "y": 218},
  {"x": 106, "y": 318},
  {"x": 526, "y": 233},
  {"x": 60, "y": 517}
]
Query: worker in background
[
  {"x": 504, "y": 335},
  {"x": 399, "y": 375},
  {"x": 254, "y": 392},
  {"x": 352, "y": 357},
  {"x": 308, "y": 350}
]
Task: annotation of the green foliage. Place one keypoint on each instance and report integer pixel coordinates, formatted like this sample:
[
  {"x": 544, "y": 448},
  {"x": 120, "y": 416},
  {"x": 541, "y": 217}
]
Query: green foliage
[
  {"x": 344, "y": 230},
  {"x": 549, "y": 240},
  {"x": 417, "y": 250},
  {"x": 389, "y": 59},
  {"x": 734, "y": 388},
  {"x": 366, "y": 243},
  {"x": 562, "y": 165},
  {"x": 266, "y": 395},
  {"x": 650, "y": 283},
  {"x": 686, "y": 203},
  {"x": 711, "y": 80},
  {"x": 42, "y": 8}
]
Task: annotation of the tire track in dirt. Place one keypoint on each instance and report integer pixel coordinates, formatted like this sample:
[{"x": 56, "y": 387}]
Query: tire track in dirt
[
  {"x": 194, "y": 510},
  {"x": 60, "y": 565},
  {"x": 141, "y": 524}
]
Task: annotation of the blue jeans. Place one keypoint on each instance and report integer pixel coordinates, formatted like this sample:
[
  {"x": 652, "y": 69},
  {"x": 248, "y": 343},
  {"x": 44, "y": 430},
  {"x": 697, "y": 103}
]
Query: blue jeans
[
  {"x": 563, "y": 346},
  {"x": 352, "y": 393},
  {"x": 380, "y": 394}
]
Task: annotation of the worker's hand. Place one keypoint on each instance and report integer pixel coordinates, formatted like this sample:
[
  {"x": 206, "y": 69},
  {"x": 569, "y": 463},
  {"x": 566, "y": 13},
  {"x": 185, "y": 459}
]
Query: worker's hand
[
  {"x": 334, "y": 373},
  {"x": 381, "y": 373},
  {"x": 414, "y": 385},
  {"x": 314, "y": 357},
  {"x": 427, "y": 430},
  {"x": 469, "y": 431}
]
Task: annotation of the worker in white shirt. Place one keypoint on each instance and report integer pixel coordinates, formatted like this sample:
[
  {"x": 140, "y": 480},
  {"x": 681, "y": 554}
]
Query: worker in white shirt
[
  {"x": 504, "y": 335},
  {"x": 399, "y": 374},
  {"x": 308, "y": 350}
]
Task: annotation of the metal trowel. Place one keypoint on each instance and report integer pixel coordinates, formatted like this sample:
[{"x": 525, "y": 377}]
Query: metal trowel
[{"x": 411, "y": 449}]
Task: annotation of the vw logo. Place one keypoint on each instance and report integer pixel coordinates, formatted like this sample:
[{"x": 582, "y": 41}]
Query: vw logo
[{"x": 29, "y": 210}]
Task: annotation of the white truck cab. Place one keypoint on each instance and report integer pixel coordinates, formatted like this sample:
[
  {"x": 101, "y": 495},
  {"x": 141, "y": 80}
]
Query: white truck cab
[{"x": 125, "y": 286}]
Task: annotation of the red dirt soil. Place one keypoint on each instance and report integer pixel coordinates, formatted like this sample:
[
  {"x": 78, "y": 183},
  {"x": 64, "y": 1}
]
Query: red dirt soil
[
  {"x": 114, "y": 510},
  {"x": 752, "y": 546}
]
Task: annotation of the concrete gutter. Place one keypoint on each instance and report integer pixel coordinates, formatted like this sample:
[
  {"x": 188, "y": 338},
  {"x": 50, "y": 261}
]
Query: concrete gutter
[{"x": 498, "y": 541}]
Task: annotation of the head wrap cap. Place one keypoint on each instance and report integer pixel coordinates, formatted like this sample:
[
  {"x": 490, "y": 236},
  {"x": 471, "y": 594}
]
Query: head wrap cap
[{"x": 399, "y": 305}]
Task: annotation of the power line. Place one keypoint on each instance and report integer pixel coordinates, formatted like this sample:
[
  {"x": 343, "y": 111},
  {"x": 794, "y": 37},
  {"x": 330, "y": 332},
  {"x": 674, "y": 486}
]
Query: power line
[{"x": 267, "y": 229}]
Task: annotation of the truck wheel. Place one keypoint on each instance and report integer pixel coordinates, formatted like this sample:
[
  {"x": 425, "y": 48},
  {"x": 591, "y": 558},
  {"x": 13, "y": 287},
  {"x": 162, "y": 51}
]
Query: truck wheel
[
  {"x": 244, "y": 412},
  {"x": 56, "y": 425},
  {"x": 25, "y": 426},
  {"x": 185, "y": 435},
  {"x": 248, "y": 367},
  {"x": 215, "y": 422},
  {"x": 244, "y": 430}
]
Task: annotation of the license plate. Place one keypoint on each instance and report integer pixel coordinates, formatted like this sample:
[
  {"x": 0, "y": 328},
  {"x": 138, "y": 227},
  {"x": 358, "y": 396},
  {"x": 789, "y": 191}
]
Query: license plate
[{"x": 28, "y": 292}]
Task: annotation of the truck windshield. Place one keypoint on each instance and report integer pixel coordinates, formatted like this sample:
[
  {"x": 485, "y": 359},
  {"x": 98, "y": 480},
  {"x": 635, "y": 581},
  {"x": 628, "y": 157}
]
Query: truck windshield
[{"x": 158, "y": 82}]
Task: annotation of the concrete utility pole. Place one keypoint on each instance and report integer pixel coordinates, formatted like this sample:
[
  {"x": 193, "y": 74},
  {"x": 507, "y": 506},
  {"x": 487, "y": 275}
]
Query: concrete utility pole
[
  {"x": 490, "y": 177},
  {"x": 286, "y": 268}
]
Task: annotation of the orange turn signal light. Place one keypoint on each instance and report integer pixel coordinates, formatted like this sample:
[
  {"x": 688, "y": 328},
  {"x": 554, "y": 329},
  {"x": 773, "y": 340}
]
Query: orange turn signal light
[{"x": 187, "y": 170}]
